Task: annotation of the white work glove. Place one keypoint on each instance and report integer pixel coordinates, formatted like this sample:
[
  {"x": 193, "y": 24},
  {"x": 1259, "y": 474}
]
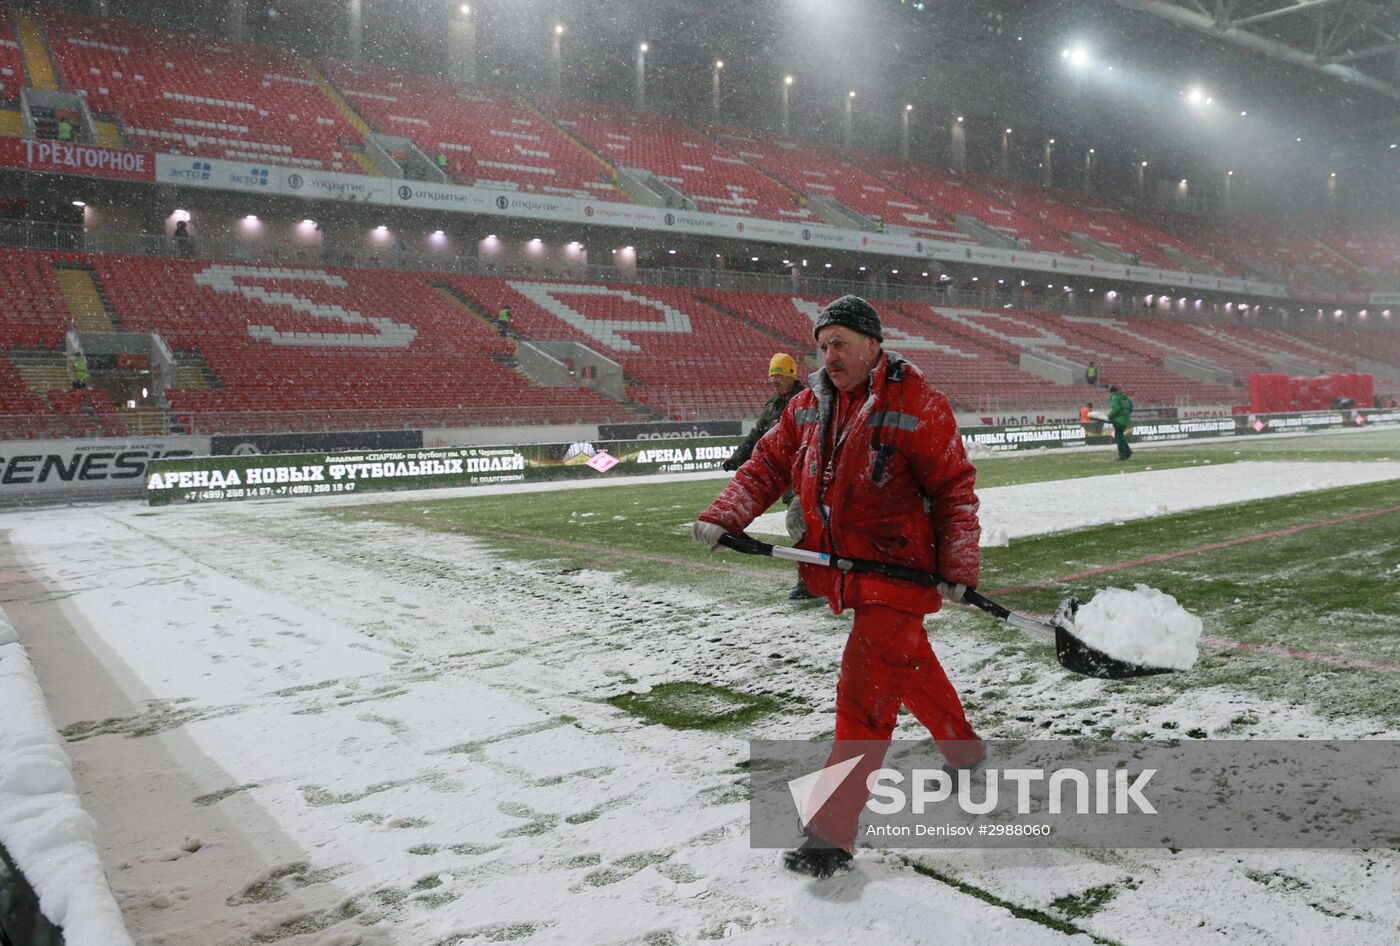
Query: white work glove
[
  {"x": 953, "y": 593},
  {"x": 707, "y": 534}
]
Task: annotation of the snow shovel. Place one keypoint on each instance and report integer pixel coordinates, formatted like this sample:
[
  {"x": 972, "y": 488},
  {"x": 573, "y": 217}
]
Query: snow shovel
[{"x": 1074, "y": 655}]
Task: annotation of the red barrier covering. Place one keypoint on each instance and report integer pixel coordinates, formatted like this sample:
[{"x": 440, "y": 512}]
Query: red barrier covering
[
  {"x": 1280, "y": 394},
  {"x": 60, "y": 157}
]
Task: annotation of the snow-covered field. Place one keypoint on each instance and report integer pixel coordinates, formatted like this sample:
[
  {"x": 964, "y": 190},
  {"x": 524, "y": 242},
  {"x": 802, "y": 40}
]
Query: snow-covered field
[{"x": 300, "y": 730}]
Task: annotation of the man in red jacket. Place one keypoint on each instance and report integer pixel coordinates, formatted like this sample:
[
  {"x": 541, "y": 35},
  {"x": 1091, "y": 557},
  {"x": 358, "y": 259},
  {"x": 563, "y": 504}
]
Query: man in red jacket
[{"x": 874, "y": 456}]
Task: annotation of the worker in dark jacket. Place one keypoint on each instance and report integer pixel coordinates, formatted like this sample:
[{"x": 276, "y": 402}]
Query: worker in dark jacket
[
  {"x": 782, "y": 374},
  {"x": 1120, "y": 415}
]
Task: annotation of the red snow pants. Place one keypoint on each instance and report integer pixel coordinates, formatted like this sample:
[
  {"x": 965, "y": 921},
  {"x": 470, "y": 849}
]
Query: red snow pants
[{"x": 887, "y": 663}]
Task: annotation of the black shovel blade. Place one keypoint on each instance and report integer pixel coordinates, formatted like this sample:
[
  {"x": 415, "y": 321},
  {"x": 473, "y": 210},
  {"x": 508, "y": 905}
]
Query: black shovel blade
[{"x": 1078, "y": 657}]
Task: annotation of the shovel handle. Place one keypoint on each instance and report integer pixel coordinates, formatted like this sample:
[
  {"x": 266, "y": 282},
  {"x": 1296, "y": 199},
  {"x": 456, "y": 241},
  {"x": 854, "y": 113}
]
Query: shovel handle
[{"x": 750, "y": 546}]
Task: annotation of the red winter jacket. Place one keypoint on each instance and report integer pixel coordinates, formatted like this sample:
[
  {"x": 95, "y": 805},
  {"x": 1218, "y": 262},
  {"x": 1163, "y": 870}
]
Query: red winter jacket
[{"x": 900, "y": 490}]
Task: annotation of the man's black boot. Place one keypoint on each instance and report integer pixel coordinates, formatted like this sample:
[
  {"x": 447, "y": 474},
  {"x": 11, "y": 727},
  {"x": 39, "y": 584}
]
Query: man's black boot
[
  {"x": 816, "y": 858},
  {"x": 799, "y": 592}
]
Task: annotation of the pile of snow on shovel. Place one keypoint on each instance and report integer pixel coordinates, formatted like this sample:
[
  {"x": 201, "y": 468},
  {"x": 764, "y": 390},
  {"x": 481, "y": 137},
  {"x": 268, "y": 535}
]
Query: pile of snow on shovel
[{"x": 1143, "y": 626}]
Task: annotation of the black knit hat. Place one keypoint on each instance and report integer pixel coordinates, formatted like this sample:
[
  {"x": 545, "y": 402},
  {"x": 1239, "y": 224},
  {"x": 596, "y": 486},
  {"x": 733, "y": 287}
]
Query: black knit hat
[{"x": 855, "y": 314}]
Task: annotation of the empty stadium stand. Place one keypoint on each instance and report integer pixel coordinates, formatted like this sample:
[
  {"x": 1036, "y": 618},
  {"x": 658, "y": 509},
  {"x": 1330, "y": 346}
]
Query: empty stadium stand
[
  {"x": 195, "y": 95},
  {"x": 814, "y": 171},
  {"x": 712, "y": 176},
  {"x": 1071, "y": 214},
  {"x": 951, "y": 196},
  {"x": 263, "y": 347},
  {"x": 489, "y": 136}
]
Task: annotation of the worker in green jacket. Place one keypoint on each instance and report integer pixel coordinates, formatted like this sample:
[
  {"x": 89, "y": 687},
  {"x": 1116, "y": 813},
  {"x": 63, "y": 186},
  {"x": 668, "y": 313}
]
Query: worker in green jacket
[
  {"x": 503, "y": 320},
  {"x": 80, "y": 372},
  {"x": 1120, "y": 415}
]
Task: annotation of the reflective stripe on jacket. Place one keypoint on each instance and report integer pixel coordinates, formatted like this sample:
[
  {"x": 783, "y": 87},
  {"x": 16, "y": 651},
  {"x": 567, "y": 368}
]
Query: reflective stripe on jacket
[{"x": 900, "y": 489}]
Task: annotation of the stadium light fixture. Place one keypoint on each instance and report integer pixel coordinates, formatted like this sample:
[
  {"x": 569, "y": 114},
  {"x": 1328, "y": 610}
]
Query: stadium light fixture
[
  {"x": 79, "y": 203},
  {"x": 644, "y": 47},
  {"x": 1008, "y": 131},
  {"x": 629, "y": 249},
  {"x": 894, "y": 272},
  {"x": 1195, "y": 96},
  {"x": 862, "y": 269},
  {"x": 909, "y": 108},
  {"x": 1077, "y": 56},
  {"x": 923, "y": 274},
  {"x": 251, "y": 218},
  {"x": 558, "y": 29},
  {"x": 787, "y": 80},
  {"x": 1229, "y": 173},
  {"x": 671, "y": 252},
  {"x": 1334, "y": 173},
  {"x": 490, "y": 236},
  {"x": 1243, "y": 114},
  {"x": 1144, "y": 164},
  {"x": 828, "y": 265},
  {"x": 435, "y": 232},
  {"x": 1091, "y": 150},
  {"x": 719, "y": 63},
  {"x": 753, "y": 259},
  {"x": 851, "y": 94},
  {"x": 465, "y": 9},
  {"x": 1052, "y": 141},
  {"x": 974, "y": 278}
]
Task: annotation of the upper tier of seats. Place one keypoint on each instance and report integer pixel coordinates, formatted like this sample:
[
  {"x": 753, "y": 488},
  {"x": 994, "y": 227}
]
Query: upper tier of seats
[
  {"x": 814, "y": 171},
  {"x": 194, "y": 95},
  {"x": 716, "y": 179},
  {"x": 489, "y": 136},
  {"x": 173, "y": 92},
  {"x": 1071, "y": 213},
  {"x": 951, "y": 196}
]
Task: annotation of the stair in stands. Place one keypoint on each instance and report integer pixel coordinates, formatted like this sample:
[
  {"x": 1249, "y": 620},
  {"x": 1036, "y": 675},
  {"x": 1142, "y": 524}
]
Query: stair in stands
[
  {"x": 331, "y": 92},
  {"x": 143, "y": 421},
  {"x": 11, "y": 123},
  {"x": 35, "y": 51},
  {"x": 192, "y": 371},
  {"x": 42, "y": 371},
  {"x": 365, "y": 162},
  {"x": 575, "y": 139},
  {"x": 85, "y": 302},
  {"x": 795, "y": 346},
  {"x": 109, "y": 134},
  {"x": 459, "y": 299}
]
